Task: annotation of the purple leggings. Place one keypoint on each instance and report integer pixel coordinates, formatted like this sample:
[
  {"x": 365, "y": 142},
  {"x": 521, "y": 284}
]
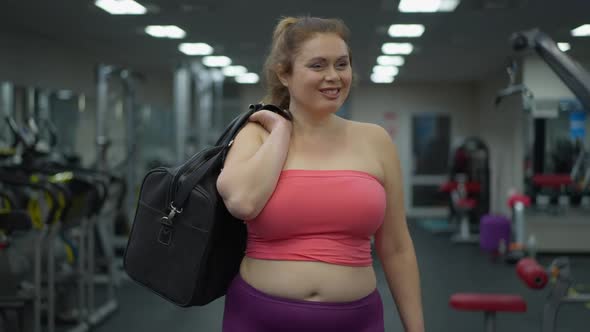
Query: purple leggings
[{"x": 249, "y": 310}]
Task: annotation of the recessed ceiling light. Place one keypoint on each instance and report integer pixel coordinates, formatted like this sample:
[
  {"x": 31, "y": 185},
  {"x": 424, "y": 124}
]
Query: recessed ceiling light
[
  {"x": 378, "y": 78},
  {"x": 165, "y": 31},
  {"x": 121, "y": 7},
  {"x": 248, "y": 78},
  {"x": 195, "y": 49},
  {"x": 390, "y": 60},
  {"x": 397, "y": 48},
  {"x": 406, "y": 30},
  {"x": 216, "y": 61},
  {"x": 581, "y": 31},
  {"x": 232, "y": 71},
  {"x": 427, "y": 6},
  {"x": 564, "y": 47},
  {"x": 386, "y": 70}
]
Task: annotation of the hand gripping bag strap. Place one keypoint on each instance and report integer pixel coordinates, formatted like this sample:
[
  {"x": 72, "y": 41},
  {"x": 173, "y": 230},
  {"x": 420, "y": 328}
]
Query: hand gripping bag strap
[
  {"x": 236, "y": 124},
  {"x": 191, "y": 181},
  {"x": 224, "y": 142}
]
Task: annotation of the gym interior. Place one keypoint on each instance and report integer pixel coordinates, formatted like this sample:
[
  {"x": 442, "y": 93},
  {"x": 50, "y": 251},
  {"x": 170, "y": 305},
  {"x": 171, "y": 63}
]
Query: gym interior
[{"x": 487, "y": 102}]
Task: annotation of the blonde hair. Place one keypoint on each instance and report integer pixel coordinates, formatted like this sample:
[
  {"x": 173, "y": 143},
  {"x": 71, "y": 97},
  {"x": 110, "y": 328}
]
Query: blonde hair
[{"x": 289, "y": 34}]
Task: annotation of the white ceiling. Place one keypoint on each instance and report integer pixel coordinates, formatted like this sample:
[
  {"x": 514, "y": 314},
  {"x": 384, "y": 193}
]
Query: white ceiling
[{"x": 465, "y": 45}]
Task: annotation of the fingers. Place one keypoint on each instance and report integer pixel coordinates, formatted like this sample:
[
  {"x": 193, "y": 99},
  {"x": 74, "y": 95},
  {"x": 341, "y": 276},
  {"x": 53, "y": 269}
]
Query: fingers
[
  {"x": 265, "y": 118},
  {"x": 271, "y": 120}
]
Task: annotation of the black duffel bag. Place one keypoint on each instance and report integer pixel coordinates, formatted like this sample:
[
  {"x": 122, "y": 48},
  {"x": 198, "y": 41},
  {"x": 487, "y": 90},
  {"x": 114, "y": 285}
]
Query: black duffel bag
[{"x": 184, "y": 244}]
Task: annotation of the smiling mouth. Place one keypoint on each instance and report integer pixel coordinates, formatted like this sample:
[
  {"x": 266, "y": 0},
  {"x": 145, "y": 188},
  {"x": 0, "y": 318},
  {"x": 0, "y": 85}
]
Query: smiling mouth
[{"x": 331, "y": 93}]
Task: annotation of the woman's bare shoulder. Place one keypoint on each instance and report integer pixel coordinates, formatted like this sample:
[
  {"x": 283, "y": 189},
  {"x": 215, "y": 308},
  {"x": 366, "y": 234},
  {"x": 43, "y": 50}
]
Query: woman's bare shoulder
[
  {"x": 372, "y": 139},
  {"x": 369, "y": 130}
]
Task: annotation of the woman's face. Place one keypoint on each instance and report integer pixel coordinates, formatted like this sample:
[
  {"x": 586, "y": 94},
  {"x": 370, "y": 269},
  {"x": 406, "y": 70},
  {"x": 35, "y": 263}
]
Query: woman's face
[{"x": 321, "y": 74}]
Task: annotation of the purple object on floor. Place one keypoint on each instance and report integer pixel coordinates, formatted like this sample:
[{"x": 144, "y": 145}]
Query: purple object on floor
[{"x": 493, "y": 228}]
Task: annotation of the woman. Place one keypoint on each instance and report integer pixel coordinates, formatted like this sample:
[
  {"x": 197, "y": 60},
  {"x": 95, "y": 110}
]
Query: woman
[{"x": 312, "y": 193}]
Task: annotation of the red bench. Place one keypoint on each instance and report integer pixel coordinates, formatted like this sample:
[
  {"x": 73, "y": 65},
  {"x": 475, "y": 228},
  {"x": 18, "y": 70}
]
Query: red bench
[{"x": 529, "y": 271}]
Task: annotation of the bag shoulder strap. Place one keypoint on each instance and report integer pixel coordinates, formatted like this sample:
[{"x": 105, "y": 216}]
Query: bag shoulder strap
[
  {"x": 186, "y": 185},
  {"x": 223, "y": 144},
  {"x": 239, "y": 122}
]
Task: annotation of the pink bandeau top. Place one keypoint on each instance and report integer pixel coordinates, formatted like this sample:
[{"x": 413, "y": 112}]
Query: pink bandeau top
[{"x": 319, "y": 215}]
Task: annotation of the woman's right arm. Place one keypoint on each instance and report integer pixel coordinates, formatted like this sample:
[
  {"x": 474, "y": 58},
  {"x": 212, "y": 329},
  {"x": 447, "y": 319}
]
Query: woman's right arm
[{"x": 253, "y": 166}]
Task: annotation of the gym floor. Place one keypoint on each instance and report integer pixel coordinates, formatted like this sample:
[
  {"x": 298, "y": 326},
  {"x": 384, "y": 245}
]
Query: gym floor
[{"x": 445, "y": 268}]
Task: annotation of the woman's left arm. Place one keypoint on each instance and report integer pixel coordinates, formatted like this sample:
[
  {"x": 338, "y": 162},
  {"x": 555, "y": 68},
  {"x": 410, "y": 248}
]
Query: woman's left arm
[{"x": 393, "y": 243}]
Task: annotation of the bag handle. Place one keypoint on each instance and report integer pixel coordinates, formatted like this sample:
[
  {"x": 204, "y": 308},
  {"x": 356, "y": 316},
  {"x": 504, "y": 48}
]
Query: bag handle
[
  {"x": 225, "y": 141},
  {"x": 219, "y": 153},
  {"x": 236, "y": 125}
]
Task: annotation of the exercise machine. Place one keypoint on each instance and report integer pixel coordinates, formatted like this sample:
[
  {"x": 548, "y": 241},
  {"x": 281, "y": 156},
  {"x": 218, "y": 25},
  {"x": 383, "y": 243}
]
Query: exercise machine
[
  {"x": 468, "y": 188},
  {"x": 551, "y": 193},
  {"x": 577, "y": 79}
]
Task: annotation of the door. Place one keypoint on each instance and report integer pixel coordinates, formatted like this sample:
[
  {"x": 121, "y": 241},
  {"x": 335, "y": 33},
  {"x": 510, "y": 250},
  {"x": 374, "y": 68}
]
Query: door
[{"x": 428, "y": 166}]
